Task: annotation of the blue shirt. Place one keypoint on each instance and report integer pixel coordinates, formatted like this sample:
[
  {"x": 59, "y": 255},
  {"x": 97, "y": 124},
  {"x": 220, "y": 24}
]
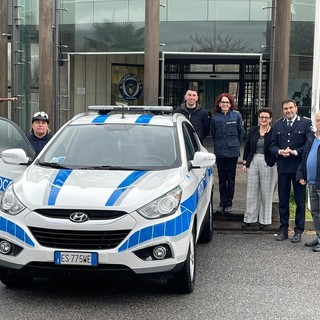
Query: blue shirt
[{"x": 312, "y": 162}]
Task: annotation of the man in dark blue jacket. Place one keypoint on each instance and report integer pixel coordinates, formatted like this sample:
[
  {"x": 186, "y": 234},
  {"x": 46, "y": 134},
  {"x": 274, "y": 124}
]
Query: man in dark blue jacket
[
  {"x": 192, "y": 110},
  {"x": 287, "y": 143}
]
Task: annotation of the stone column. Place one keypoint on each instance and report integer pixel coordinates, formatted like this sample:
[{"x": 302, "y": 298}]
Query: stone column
[
  {"x": 46, "y": 93},
  {"x": 281, "y": 55},
  {"x": 151, "y": 57}
]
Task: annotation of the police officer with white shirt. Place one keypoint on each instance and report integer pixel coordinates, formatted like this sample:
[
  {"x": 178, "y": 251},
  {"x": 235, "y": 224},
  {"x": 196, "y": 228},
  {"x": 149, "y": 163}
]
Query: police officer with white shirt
[{"x": 287, "y": 143}]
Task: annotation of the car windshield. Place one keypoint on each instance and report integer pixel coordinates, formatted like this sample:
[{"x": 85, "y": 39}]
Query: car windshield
[{"x": 113, "y": 146}]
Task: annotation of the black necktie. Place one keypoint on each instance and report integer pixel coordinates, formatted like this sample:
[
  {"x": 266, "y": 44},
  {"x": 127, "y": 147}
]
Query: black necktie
[{"x": 289, "y": 123}]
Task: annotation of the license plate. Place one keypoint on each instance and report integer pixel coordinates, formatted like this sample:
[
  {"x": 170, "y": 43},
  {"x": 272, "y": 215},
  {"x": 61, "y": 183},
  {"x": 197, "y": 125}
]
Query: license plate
[{"x": 76, "y": 258}]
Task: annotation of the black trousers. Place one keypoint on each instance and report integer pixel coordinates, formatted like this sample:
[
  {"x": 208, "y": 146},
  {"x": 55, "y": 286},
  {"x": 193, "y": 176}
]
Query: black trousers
[
  {"x": 284, "y": 186},
  {"x": 227, "y": 175}
]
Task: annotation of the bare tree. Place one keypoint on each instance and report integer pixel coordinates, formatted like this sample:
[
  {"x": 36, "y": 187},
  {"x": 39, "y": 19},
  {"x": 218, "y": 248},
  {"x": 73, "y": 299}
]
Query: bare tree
[{"x": 222, "y": 43}]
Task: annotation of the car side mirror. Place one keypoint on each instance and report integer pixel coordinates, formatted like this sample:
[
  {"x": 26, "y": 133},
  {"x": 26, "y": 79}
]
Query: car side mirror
[
  {"x": 15, "y": 156},
  {"x": 203, "y": 160}
]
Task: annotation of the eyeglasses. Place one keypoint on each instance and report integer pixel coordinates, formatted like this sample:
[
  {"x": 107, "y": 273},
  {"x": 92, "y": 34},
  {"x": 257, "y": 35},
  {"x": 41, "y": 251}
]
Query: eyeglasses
[
  {"x": 225, "y": 102},
  {"x": 41, "y": 114},
  {"x": 264, "y": 118}
]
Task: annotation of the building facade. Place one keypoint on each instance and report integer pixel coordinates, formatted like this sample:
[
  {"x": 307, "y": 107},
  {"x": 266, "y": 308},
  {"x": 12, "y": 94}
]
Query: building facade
[{"x": 67, "y": 54}]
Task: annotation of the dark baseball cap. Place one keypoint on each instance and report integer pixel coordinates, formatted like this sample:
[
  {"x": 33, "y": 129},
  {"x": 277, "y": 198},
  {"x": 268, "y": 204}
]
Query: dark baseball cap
[{"x": 41, "y": 115}]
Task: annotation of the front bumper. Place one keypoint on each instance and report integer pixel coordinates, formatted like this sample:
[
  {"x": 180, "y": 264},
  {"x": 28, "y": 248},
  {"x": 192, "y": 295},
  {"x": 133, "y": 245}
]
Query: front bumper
[{"x": 36, "y": 259}]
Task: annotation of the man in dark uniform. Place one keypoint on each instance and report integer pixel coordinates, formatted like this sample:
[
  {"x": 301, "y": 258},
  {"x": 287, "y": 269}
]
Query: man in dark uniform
[{"x": 287, "y": 143}]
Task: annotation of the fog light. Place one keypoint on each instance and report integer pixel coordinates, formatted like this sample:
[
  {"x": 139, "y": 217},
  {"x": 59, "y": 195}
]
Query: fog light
[
  {"x": 159, "y": 252},
  {"x": 5, "y": 247}
]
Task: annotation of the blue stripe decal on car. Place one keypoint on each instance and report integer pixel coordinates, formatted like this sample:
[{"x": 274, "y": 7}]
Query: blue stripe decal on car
[
  {"x": 4, "y": 182},
  {"x": 123, "y": 186},
  {"x": 144, "y": 118},
  {"x": 58, "y": 182},
  {"x": 15, "y": 230},
  {"x": 174, "y": 227},
  {"x": 101, "y": 118}
]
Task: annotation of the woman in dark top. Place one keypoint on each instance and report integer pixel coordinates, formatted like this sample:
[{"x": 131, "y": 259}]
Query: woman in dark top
[{"x": 258, "y": 164}]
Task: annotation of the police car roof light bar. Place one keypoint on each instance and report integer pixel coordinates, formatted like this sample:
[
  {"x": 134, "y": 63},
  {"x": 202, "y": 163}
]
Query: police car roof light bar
[{"x": 102, "y": 109}]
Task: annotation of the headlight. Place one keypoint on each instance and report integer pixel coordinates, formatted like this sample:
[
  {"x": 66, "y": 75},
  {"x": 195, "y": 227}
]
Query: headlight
[
  {"x": 10, "y": 203},
  {"x": 163, "y": 206}
]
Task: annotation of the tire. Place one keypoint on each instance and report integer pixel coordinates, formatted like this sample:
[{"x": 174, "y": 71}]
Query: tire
[
  {"x": 183, "y": 281},
  {"x": 12, "y": 280},
  {"x": 207, "y": 231}
]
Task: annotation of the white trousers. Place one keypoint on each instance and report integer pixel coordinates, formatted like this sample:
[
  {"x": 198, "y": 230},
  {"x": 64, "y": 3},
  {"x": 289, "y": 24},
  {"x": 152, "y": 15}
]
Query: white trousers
[{"x": 261, "y": 180}]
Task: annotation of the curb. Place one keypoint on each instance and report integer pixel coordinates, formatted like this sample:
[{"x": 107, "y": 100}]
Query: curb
[{"x": 233, "y": 222}]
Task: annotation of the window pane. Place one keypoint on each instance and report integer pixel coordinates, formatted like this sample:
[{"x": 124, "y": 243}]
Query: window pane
[
  {"x": 260, "y": 10},
  {"x": 303, "y": 10},
  {"x": 84, "y": 13},
  {"x": 211, "y": 36},
  {"x": 137, "y": 10},
  {"x": 220, "y": 10},
  {"x": 191, "y": 10},
  {"x": 111, "y": 11}
]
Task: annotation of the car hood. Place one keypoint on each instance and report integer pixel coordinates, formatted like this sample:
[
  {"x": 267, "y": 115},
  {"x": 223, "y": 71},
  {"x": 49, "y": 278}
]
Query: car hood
[{"x": 128, "y": 190}]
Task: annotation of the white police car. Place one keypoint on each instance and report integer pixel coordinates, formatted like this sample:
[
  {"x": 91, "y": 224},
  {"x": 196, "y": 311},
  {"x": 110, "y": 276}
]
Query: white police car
[{"x": 122, "y": 189}]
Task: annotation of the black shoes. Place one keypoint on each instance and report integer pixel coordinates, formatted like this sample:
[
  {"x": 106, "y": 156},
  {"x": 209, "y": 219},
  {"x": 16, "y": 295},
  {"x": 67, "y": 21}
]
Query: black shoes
[
  {"x": 228, "y": 209},
  {"x": 220, "y": 210},
  {"x": 282, "y": 236},
  {"x": 245, "y": 225},
  {"x": 312, "y": 243},
  {"x": 316, "y": 248},
  {"x": 296, "y": 238},
  {"x": 262, "y": 226},
  {"x": 315, "y": 244}
]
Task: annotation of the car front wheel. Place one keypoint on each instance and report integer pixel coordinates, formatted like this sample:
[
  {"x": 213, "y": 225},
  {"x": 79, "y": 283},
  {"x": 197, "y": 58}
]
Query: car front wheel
[{"x": 183, "y": 281}]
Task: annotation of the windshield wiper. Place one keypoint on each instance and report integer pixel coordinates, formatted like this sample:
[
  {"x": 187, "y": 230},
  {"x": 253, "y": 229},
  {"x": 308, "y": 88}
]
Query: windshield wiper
[
  {"x": 107, "y": 167},
  {"x": 52, "y": 165}
]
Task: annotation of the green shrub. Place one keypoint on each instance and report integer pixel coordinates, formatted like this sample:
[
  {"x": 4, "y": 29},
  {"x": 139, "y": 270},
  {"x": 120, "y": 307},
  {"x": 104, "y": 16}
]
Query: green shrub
[{"x": 292, "y": 207}]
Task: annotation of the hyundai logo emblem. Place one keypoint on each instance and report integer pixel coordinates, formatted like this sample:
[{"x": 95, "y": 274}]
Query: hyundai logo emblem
[{"x": 78, "y": 217}]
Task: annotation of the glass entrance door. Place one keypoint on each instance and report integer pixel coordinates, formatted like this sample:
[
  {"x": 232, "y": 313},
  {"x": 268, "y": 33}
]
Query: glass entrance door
[{"x": 241, "y": 78}]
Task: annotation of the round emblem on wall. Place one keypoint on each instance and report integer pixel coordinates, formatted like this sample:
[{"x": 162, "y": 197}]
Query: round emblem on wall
[{"x": 130, "y": 86}]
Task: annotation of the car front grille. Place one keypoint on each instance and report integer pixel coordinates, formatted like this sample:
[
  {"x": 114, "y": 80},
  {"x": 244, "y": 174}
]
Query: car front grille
[
  {"x": 83, "y": 240},
  {"x": 93, "y": 214}
]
